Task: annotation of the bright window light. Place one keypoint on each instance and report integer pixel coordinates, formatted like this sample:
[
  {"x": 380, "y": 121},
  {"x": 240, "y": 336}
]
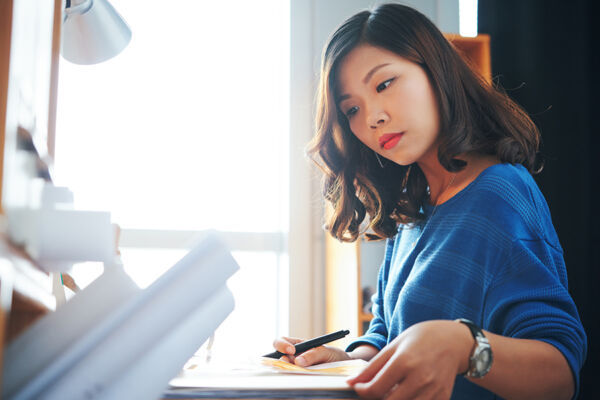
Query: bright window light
[
  {"x": 467, "y": 10},
  {"x": 255, "y": 289},
  {"x": 187, "y": 129}
]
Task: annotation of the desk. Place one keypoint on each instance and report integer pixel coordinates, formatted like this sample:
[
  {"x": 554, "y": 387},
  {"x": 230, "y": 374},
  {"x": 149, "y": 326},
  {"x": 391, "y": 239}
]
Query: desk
[
  {"x": 249, "y": 380},
  {"x": 250, "y": 394}
]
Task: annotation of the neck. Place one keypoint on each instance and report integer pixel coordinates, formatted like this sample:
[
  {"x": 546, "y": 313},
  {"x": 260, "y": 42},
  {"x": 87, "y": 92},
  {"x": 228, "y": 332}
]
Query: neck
[
  {"x": 438, "y": 178},
  {"x": 444, "y": 184}
]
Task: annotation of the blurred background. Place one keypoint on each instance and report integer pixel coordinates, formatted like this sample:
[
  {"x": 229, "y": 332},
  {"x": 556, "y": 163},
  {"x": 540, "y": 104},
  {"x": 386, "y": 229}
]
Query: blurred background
[{"x": 545, "y": 54}]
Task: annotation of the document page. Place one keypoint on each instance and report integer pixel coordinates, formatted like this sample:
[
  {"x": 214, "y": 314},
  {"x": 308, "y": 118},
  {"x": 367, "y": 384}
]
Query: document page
[
  {"x": 267, "y": 378},
  {"x": 344, "y": 368}
]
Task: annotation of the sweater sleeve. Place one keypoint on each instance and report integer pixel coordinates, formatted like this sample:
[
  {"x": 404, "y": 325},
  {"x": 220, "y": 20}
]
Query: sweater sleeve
[
  {"x": 529, "y": 299},
  {"x": 377, "y": 334}
]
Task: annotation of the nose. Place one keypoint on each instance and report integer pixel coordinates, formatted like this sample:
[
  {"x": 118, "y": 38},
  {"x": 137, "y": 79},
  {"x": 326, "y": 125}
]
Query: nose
[{"x": 377, "y": 119}]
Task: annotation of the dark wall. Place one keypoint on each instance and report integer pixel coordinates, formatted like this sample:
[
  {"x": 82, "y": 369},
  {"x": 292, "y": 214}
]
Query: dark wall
[{"x": 545, "y": 54}]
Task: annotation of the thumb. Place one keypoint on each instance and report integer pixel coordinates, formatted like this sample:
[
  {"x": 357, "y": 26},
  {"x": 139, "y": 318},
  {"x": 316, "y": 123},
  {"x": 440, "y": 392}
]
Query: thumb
[{"x": 373, "y": 367}]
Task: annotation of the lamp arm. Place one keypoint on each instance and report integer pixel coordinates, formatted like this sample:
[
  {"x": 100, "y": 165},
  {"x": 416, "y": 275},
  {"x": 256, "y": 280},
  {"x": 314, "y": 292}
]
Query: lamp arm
[{"x": 78, "y": 9}]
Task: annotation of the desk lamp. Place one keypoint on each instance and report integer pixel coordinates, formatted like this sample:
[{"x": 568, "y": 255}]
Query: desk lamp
[{"x": 92, "y": 32}]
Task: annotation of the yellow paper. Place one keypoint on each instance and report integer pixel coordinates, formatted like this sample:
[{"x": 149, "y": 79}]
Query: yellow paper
[{"x": 345, "y": 368}]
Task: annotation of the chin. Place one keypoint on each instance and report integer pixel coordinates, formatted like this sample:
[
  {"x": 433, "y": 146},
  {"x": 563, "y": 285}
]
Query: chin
[{"x": 404, "y": 161}]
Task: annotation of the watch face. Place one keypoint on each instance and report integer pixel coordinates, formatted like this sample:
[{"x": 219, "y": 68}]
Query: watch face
[{"x": 482, "y": 361}]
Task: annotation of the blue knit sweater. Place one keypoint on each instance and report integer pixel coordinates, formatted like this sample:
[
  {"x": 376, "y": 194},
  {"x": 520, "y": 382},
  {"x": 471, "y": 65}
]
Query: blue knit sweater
[{"x": 489, "y": 254}]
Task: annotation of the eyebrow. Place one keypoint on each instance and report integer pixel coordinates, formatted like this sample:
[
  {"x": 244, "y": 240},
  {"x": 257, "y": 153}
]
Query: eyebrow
[
  {"x": 369, "y": 74},
  {"x": 365, "y": 80}
]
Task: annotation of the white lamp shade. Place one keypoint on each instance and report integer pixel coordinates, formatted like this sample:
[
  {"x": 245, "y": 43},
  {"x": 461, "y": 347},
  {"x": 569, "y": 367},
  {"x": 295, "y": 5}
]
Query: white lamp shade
[{"x": 95, "y": 34}]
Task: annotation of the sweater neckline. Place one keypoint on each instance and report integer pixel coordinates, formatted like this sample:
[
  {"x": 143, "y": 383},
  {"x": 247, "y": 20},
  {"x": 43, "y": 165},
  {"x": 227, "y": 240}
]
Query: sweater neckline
[{"x": 428, "y": 207}]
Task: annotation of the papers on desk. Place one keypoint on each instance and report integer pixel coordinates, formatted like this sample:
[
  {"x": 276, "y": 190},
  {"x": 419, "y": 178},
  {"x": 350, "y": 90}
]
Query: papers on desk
[
  {"x": 343, "y": 368},
  {"x": 273, "y": 379}
]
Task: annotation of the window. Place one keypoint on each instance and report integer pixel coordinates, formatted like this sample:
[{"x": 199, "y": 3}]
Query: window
[{"x": 187, "y": 130}]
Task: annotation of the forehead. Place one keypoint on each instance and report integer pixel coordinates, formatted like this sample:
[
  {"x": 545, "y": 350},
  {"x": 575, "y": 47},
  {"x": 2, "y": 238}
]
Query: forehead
[{"x": 360, "y": 61}]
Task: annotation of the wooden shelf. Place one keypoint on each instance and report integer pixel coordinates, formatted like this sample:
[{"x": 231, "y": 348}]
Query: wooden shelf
[
  {"x": 476, "y": 50},
  {"x": 30, "y": 289},
  {"x": 25, "y": 293},
  {"x": 25, "y": 289},
  {"x": 363, "y": 317}
]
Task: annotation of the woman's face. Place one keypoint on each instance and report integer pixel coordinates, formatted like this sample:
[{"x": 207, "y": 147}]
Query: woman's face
[{"x": 389, "y": 103}]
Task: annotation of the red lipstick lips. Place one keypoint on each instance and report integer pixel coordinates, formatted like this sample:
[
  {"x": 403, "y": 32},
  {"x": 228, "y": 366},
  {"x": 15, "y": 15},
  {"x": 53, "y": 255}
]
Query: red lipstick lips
[{"x": 389, "y": 140}]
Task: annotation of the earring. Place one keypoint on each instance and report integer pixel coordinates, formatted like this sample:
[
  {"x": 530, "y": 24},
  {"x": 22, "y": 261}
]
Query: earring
[{"x": 378, "y": 160}]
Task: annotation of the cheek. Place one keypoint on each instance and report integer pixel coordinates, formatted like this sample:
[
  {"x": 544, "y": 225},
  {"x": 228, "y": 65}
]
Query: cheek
[
  {"x": 421, "y": 116},
  {"x": 425, "y": 100},
  {"x": 361, "y": 134}
]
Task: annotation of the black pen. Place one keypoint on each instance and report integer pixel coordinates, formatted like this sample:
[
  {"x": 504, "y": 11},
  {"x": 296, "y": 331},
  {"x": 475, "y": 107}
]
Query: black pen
[{"x": 312, "y": 343}]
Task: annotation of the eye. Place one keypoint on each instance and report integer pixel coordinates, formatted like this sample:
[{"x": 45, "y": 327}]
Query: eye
[
  {"x": 351, "y": 111},
  {"x": 382, "y": 86}
]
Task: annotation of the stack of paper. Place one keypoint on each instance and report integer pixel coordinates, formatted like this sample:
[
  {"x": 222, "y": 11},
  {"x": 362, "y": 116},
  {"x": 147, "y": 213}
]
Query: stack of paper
[{"x": 267, "y": 379}]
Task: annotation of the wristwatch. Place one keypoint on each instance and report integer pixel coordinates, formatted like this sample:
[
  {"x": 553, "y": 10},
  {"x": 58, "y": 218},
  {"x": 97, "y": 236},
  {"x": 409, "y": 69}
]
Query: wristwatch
[{"x": 481, "y": 359}]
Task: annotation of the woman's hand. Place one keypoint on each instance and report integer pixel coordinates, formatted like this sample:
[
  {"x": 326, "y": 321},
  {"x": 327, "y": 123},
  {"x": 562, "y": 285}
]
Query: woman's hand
[
  {"x": 420, "y": 363},
  {"x": 317, "y": 355}
]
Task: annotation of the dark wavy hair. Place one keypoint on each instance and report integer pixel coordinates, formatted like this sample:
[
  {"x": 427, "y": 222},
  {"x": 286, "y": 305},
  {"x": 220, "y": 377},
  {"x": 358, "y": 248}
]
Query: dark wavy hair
[{"x": 475, "y": 117}]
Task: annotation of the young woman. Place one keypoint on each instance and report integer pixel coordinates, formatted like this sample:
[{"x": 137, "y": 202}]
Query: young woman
[{"x": 472, "y": 299}]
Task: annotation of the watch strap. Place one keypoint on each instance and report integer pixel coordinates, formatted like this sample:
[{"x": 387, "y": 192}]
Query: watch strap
[
  {"x": 481, "y": 343},
  {"x": 475, "y": 330}
]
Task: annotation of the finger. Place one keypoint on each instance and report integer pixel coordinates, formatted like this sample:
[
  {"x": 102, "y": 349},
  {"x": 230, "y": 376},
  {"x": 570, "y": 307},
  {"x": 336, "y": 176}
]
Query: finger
[
  {"x": 284, "y": 345},
  {"x": 293, "y": 340},
  {"x": 373, "y": 367},
  {"x": 424, "y": 383},
  {"x": 390, "y": 374},
  {"x": 289, "y": 359},
  {"x": 407, "y": 390},
  {"x": 317, "y": 355},
  {"x": 417, "y": 391}
]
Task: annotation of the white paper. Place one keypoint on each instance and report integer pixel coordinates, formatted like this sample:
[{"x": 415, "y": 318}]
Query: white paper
[
  {"x": 27, "y": 357},
  {"x": 119, "y": 339},
  {"x": 170, "y": 354},
  {"x": 259, "y": 381},
  {"x": 264, "y": 381}
]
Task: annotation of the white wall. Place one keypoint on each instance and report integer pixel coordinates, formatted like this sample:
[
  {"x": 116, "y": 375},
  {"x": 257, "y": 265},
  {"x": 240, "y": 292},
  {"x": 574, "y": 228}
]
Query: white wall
[
  {"x": 312, "y": 21},
  {"x": 329, "y": 14}
]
